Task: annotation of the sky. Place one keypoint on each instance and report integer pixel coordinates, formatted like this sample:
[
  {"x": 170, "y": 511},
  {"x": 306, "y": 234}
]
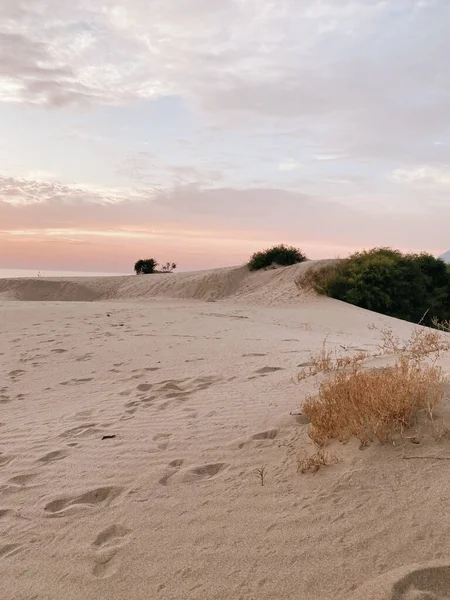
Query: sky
[{"x": 200, "y": 131}]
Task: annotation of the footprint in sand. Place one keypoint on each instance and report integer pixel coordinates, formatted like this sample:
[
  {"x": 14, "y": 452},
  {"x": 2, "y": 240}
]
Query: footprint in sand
[
  {"x": 174, "y": 466},
  {"x": 77, "y": 381},
  {"x": 22, "y": 480},
  {"x": 161, "y": 436},
  {"x": 144, "y": 387},
  {"x": 111, "y": 536},
  {"x": 145, "y": 402},
  {"x": 15, "y": 374},
  {"x": 430, "y": 581},
  {"x": 84, "y": 357},
  {"x": 267, "y": 370},
  {"x": 162, "y": 439},
  {"x": 87, "y": 430},
  {"x": 106, "y": 548},
  {"x": 190, "y": 413},
  {"x": 53, "y": 456},
  {"x": 102, "y": 496},
  {"x": 172, "y": 392},
  {"x": 170, "y": 386},
  {"x": 269, "y": 434},
  {"x": 185, "y": 386},
  {"x": 18, "y": 483},
  {"x": 201, "y": 472}
]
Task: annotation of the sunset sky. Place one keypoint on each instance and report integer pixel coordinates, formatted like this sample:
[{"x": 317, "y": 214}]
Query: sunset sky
[{"x": 200, "y": 131}]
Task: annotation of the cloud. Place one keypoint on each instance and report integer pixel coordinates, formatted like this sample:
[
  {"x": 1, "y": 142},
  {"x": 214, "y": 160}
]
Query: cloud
[
  {"x": 29, "y": 71},
  {"x": 424, "y": 176},
  {"x": 190, "y": 213},
  {"x": 289, "y": 165},
  {"x": 38, "y": 192},
  {"x": 330, "y": 156},
  {"x": 356, "y": 90},
  {"x": 146, "y": 169},
  {"x": 363, "y": 76}
]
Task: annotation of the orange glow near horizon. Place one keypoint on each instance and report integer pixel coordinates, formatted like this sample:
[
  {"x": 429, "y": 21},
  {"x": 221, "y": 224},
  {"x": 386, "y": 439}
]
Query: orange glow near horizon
[{"x": 116, "y": 251}]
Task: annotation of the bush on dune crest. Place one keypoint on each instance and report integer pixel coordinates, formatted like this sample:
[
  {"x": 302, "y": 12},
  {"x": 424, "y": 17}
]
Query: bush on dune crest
[
  {"x": 413, "y": 287},
  {"x": 147, "y": 266},
  {"x": 277, "y": 255}
]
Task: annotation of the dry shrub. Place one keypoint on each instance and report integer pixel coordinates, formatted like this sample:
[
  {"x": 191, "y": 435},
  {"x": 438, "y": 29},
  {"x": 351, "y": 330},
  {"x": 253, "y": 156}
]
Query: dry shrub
[
  {"x": 441, "y": 325},
  {"x": 312, "y": 462},
  {"x": 370, "y": 404},
  {"x": 422, "y": 342},
  {"x": 426, "y": 342},
  {"x": 376, "y": 403},
  {"x": 326, "y": 361}
]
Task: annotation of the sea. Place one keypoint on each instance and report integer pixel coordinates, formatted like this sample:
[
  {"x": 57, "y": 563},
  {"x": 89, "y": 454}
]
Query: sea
[{"x": 7, "y": 273}]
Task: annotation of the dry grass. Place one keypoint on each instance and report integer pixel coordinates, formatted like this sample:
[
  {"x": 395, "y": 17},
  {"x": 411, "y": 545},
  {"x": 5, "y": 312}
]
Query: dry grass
[
  {"x": 441, "y": 325},
  {"x": 312, "y": 462},
  {"x": 422, "y": 342},
  {"x": 326, "y": 361},
  {"x": 370, "y": 404},
  {"x": 376, "y": 403}
]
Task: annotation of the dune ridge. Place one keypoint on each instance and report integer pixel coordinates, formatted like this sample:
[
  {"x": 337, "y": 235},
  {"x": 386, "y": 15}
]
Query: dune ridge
[{"x": 275, "y": 286}]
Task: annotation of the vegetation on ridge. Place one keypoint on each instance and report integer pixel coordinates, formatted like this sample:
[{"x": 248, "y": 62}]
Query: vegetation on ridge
[
  {"x": 148, "y": 266},
  {"x": 413, "y": 287},
  {"x": 277, "y": 255}
]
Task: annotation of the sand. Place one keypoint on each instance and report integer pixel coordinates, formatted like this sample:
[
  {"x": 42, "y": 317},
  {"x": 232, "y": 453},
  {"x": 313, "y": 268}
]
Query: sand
[{"x": 192, "y": 378}]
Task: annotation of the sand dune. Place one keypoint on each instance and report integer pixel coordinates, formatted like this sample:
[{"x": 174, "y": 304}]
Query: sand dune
[
  {"x": 131, "y": 428},
  {"x": 277, "y": 286}
]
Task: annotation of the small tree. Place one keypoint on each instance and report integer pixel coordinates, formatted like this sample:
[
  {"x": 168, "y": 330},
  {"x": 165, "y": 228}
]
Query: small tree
[
  {"x": 168, "y": 267},
  {"x": 278, "y": 255},
  {"x": 145, "y": 266}
]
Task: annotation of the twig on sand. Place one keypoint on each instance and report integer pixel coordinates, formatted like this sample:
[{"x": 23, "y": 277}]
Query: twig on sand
[{"x": 261, "y": 474}]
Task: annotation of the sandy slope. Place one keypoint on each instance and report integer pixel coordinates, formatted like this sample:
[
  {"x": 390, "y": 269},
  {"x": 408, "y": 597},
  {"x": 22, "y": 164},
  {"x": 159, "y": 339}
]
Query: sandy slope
[
  {"x": 273, "y": 287},
  {"x": 197, "y": 395}
]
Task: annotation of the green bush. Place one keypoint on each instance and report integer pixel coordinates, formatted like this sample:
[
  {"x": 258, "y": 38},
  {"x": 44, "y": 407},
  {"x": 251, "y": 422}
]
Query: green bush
[
  {"x": 148, "y": 265},
  {"x": 405, "y": 286},
  {"x": 145, "y": 266},
  {"x": 278, "y": 255}
]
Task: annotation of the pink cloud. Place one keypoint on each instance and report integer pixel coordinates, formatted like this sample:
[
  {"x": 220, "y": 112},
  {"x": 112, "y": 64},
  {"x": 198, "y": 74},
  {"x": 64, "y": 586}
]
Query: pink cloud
[{"x": 49, "y": 225}]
